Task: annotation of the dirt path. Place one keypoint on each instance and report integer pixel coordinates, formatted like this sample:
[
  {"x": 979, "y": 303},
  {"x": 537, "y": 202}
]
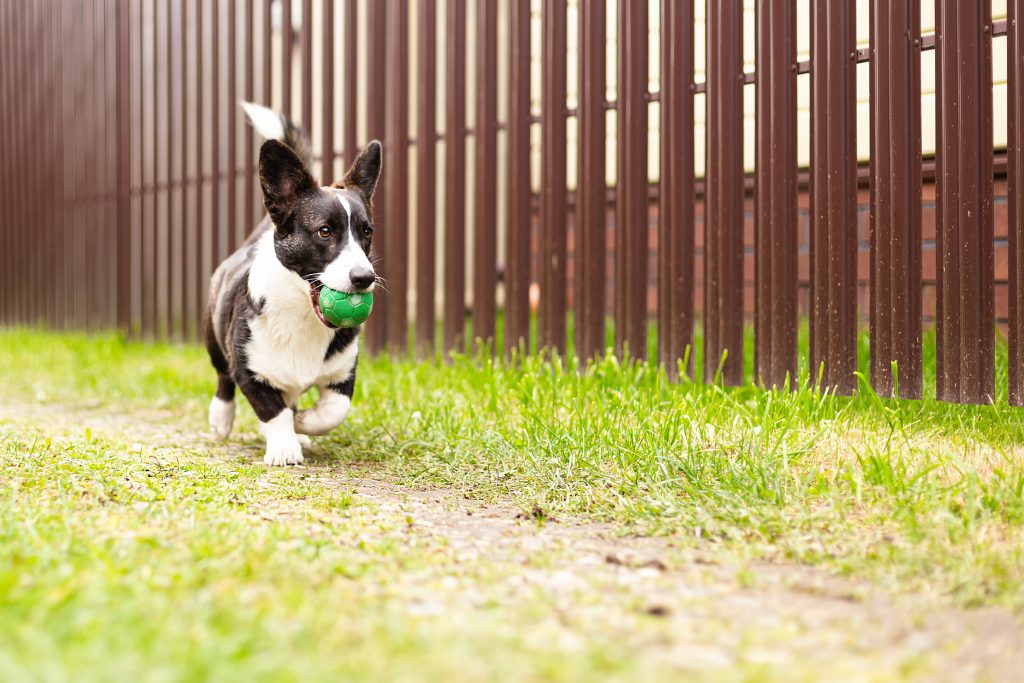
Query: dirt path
[{"x": 679, "y": 606}]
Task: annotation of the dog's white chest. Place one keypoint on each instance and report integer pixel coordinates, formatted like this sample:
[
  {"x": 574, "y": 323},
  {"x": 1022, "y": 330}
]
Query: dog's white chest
[
  {"x": 287, "y": 343},
  {"x": 287, "y": 351}
]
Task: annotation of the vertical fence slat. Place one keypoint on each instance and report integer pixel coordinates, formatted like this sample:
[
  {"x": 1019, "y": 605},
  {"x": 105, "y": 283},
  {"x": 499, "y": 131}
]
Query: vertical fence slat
[
  {"x": 485, "y": 244},
  {"x": 6, "y": 198},
  {"x": 173, "y": 257},
  {"x": 268, "y": 52},
  {"x": 220, "y": 231},
  {"x": 676, "y": 211},
  {"x": 775, "y": 249},
  {"x": 553, "y": 248},
  {"x": 5, "y": 160},
  {"x": 124, "y": 216},
  {"x": 287, "y": 52},
  {"x": 47, "y": 153},
  {"x": 29, "y": 168},
  {"x": 147, "y": 77},
  {"x": 631, "y": 215},
  {"x": 198, "y": 235},
  {"x": 591, "y": 197},
  {"x": 896, "y": 197},
  {"x": 723, "y": 213},
  {"x": 307, "y": 64},
  {"x": 376, "y": 128},
  {"x": 455, "y": 178},
  {"x": 426, "y": 183},
  {"x": 517, "y": 267},
  {"x": 1015, "y": 192},
  {"x": 163, "y": 162},
  {"x": 327, "y": 95},
  {"x": 966, "y": 317},
  {"x": 833, "y": 294},
  {"x": 89, "y": 186},
  {"x": 351, "y": 92},
  {"x": 248, "y": 141},
  {"x": 190, "y": 306},
  {"x": 236, "y": 231},
  {"x": 395, "y": 249}
]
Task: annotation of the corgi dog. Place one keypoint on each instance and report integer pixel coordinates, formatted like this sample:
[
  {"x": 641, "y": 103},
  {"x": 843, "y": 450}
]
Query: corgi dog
[{"x": 264, "y": 330}]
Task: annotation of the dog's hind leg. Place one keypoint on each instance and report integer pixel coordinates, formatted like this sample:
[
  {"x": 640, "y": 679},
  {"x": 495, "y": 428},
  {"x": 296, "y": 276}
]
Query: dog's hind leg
[{"x": 222, "y": 406}]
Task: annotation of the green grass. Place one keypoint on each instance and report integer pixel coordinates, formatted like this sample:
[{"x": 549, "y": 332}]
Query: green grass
[{"x": 97, "y": 538}]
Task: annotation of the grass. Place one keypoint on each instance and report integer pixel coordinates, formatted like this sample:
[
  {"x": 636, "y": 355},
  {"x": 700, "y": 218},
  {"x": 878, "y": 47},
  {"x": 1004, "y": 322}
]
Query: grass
[{"x": 101, "y": 535}]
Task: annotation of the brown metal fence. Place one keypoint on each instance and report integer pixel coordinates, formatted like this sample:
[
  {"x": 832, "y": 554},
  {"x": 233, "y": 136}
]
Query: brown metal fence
[{"x": 127, "y": 173}]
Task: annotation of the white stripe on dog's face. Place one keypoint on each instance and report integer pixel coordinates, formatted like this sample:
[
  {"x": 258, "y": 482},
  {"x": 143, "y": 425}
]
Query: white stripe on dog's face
[{"x": 337, "y": 274}]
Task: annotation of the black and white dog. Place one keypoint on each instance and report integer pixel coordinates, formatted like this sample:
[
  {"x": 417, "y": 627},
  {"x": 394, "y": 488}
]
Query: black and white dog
[{"x": 264, "y": 329}]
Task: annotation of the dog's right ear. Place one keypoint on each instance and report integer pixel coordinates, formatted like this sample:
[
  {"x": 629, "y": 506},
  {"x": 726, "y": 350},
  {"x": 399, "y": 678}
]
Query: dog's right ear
[
  {"x": 284, "y": 178},
  {"x": 362, "y": 176}
]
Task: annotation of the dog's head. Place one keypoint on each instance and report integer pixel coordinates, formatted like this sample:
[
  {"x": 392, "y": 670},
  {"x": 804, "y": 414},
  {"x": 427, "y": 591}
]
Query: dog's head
[{"x": 322, "y": 233}]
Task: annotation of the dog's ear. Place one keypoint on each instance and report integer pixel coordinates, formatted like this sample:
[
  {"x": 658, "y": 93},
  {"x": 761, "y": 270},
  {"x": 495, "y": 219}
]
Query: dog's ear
[
  {"x": 362, "y": 176},
  {"x": 284, "y": 179}
]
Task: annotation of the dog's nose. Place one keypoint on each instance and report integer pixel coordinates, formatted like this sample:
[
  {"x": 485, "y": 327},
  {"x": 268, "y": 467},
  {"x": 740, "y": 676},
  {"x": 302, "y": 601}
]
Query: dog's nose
[{"x": 362, "y": 277}]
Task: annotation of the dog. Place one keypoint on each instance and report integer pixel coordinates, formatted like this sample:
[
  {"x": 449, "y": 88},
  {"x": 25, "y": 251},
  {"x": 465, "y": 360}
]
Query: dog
[{"x": 263, "y": 328}]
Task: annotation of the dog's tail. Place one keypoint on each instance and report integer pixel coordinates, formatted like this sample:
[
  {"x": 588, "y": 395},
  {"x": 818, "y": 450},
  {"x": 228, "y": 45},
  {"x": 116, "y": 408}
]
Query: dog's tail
[{"x": 274, "y": 125}]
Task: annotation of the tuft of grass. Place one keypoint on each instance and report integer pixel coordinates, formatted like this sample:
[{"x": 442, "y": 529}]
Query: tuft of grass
[
  {"x": 149, "y": 561},
  {"x": 922, "y": 494}
]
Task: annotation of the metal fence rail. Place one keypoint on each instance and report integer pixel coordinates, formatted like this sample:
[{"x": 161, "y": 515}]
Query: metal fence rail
[{"x": 127, "y": 174}]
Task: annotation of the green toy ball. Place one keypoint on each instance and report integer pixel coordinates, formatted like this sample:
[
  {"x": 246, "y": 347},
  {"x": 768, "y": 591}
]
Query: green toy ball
[{"x": 344, "y": 309}]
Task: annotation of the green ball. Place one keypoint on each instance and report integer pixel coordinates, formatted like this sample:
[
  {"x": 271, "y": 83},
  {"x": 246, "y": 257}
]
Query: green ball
[{"x": 344, "y": 309}]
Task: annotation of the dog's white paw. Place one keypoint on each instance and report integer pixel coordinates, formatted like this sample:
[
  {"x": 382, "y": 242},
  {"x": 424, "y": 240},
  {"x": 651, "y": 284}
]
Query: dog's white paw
[
  {"x": 283, "y": 453},
  {"x": 304, "y": 440},
  {"x": 222, "y": 416},
  {"x": 283, "y": 447}
]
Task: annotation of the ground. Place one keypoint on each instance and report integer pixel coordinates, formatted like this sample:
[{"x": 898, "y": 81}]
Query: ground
[{"x": 481, "y": 522}]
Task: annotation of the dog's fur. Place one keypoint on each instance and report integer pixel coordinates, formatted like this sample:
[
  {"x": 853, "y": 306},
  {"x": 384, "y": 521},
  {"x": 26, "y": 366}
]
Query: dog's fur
[{"x": 264, "y": 330}]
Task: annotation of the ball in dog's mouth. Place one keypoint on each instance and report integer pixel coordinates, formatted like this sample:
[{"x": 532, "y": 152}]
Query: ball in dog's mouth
[
  {"x": 335, "y": 308},
  {"x": 314, "y": 297}
]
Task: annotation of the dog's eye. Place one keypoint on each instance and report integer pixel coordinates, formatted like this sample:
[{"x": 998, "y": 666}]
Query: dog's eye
[
  {"x": 324, "y": 231},
  {"x": 367, "y": 230}
]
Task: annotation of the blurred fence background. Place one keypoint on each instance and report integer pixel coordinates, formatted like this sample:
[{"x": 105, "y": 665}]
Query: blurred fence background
[{"x": 594, "y": 169}]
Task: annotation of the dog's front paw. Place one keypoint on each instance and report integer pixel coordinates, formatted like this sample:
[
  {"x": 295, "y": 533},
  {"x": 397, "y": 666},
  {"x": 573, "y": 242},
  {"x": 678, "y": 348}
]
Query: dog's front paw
[
  {"x": 222, "y": 416},
  {"x": 283, "y": 452},
  {"x": 304, "y": 440}
]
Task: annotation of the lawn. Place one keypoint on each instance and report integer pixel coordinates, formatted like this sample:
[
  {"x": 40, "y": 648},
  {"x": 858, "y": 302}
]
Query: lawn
[{"x": 130, "y": 546}]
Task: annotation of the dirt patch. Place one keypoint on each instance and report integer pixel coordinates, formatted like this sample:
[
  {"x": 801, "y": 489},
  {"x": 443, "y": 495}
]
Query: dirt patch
[{"x": 683, "y": 606}]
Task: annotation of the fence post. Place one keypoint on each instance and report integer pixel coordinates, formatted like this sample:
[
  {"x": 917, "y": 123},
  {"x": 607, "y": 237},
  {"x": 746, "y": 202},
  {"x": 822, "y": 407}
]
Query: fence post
[
  {"x": 376, "y": 128},
  {"x": 455, "y": 179},
  {"x": 124, "y": 140},
  {"x": 351, "y": 92},
  {"x": 833, "y": 295},
  {"x": 775, "y": 249},
  {"x": 486, "y": 183},
  {"x": 591, "y": 189},
  {"x": 517, "y": 268},
  {"x": 395, "y": 244},
  {"x": 723, "y": 215},
  {"x": 675, "y": 213},
  {"x": 966, "y": 317},
  {"x": 426, "y": 175},
  {"x": 1015, "y": 188},
  {"x": 631, "y": 217},
  {"x": 896, "y": 196},
  {"x": 553, "y": 247}
]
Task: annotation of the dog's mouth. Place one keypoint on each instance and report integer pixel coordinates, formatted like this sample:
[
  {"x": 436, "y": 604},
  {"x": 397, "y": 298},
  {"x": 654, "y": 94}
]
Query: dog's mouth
[{"x": 314, "y": 297}]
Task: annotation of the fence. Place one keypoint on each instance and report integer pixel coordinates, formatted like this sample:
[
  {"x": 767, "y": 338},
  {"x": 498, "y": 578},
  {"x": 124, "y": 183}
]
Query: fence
[{"x": 127, "y": 172}]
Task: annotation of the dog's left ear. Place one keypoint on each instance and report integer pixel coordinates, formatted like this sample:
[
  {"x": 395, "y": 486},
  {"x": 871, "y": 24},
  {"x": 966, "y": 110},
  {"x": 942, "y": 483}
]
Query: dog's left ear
[
  {"x": 362, "y": 176},
  {"x": 284, "y": 178}
]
